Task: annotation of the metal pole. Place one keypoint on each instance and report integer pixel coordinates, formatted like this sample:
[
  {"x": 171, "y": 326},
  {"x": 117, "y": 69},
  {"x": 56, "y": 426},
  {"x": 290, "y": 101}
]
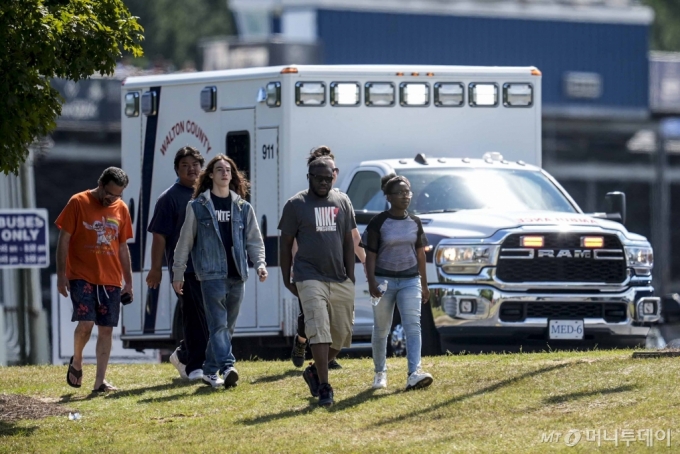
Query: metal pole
[
  {"x": 661, "y": 249},
  {"x": 35, "y": 316}
]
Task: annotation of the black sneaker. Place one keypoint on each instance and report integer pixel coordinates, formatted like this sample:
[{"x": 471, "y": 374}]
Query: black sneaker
[
  {"x": 325, "y": 395},
  {"x": 333, "y": 364},
  {"x": 298, "y": 353},
  {"x": 312, "y": 379}
]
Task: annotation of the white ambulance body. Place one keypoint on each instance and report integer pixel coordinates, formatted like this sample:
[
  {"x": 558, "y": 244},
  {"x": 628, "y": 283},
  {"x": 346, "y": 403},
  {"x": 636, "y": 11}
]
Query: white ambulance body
[{"x": 268, "y": 119}]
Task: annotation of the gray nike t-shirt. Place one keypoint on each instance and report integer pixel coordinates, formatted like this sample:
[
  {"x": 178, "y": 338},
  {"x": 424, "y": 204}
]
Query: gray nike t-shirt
[{"x": 319, "y": 225}]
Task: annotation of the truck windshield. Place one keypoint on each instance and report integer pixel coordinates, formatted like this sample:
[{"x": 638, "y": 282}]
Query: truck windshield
[{"x": 448, "y": 190}]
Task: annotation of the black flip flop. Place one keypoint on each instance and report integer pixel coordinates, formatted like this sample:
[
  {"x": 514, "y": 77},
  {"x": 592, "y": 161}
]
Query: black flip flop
[
  {"x": 76, "y": 373},
  {"x": 105, "y": 388}
]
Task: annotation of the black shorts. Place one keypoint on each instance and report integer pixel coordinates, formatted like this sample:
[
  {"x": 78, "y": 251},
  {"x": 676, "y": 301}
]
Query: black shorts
[{"x": 95, "y": 303}]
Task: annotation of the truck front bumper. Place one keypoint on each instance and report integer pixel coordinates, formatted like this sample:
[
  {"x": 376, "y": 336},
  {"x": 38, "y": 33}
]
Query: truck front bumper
[{"x": 478, "y": 312}]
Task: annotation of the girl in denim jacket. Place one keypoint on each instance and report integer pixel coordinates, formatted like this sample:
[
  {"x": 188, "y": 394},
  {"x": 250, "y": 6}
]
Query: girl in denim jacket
[{"x": 221, "y": 232}]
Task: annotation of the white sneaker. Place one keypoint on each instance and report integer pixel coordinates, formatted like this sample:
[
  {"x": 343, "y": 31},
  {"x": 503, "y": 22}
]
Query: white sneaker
[
  {"x": 196, "y": 375},
  {"x": 230, "y": 376},
  {"x": 380, "y": 380},
  {"x": 181, "y": 368},
  {"x": 213, "y": 380},
  {"x": 418, "y": 379}
]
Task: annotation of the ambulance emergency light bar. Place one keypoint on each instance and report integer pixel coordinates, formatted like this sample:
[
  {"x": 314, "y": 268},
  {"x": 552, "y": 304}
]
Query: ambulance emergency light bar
[
  {"x": 518, "y": 95},
  {"x": 273, "y": 94},
  {"x": 310, "y": 93},
  {"x": 483, "y": 95},
  {"x": 132, "y": 104},
  {"x": 449, "y": 94},
  {"x": 379, "y": 94},
  {"x": 345, "y": 94},
  {"x": 414, "y": 94}
]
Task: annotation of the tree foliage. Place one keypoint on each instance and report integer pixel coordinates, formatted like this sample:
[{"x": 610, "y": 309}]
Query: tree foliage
[
  {"x": 666, "y": 28},
  {"x": 43, "y": 39},
  {"x": 174, "y": 28}
]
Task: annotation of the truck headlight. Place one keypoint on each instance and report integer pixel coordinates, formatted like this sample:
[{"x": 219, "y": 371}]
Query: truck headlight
[
  {"x": 465, "y": 259},
  {"x": 640, "y": 258}
]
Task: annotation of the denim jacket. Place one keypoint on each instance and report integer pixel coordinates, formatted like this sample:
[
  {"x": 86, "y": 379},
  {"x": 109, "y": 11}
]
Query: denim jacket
[{"x": 200, "y": 235}]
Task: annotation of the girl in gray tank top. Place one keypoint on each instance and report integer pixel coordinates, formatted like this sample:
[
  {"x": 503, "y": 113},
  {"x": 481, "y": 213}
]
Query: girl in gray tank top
[{"x": 394, "y": 241}]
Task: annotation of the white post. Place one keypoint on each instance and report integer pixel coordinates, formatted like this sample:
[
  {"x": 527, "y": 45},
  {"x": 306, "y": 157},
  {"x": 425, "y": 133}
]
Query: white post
[
  {"x": 11, "y": 329},
  {"x": 38, "y": 331},
  {"x": 3, "y": 344}
]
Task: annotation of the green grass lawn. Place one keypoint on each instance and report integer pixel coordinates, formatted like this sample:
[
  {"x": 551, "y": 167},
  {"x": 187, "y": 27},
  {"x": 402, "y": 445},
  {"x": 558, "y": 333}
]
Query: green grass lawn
[{"x": 478, "y": 403}]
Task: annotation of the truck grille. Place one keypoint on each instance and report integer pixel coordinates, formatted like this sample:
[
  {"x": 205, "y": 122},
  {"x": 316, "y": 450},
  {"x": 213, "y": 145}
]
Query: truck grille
[
  {"x": 515, "y": 266},
  {"x": 518, "y": 312}
]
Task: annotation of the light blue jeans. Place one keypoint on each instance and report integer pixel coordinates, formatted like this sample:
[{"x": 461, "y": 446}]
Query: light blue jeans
[
  {"x": 222, "y": 300},
  {"x": 406, "y": 293}
]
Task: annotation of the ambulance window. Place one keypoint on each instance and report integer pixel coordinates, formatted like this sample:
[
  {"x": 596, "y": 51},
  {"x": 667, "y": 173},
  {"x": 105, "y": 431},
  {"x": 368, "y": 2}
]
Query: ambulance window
[
  {"x": 483, "y": 95},
  {"x": 364, "y": 192},
  {"x": 238, "y": 149}
]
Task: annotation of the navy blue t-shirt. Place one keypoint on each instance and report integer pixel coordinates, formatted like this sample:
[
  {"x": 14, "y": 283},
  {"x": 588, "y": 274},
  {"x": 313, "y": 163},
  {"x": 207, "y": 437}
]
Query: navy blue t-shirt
[
  {"x": 223, "y": 212},
  {"x": 168, "y": 217}
]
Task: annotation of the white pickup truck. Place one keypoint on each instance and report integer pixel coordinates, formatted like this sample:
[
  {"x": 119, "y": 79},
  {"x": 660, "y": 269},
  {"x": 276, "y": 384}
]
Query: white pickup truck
[{"x": 516, "y": 260}]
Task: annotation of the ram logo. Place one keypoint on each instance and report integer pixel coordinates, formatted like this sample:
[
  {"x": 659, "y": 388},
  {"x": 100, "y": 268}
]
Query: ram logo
[{"x": 564, "y": 253}]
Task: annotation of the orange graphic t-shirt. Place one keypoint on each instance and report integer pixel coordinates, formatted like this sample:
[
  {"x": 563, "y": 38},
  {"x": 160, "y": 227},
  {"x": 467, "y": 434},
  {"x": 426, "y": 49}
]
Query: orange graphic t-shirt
[{"x": 96, "y": 233}]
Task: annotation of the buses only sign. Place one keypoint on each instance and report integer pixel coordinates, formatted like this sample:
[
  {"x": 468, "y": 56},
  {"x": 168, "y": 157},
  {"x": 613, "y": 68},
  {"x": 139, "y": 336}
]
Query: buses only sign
[{"x": 24, "y": 240}]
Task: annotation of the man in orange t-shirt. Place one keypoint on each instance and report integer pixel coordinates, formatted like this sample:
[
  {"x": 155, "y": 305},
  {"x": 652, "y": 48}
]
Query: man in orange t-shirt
[{"x": 93, "y": 263}]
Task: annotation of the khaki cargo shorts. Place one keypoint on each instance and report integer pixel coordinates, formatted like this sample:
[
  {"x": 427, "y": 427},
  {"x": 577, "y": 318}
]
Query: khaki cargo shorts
[{"x": 329, "y": 312}]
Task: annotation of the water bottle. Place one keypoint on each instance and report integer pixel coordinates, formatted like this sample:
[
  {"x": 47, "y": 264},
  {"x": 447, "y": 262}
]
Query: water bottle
[{"x": 383, "y": 288}]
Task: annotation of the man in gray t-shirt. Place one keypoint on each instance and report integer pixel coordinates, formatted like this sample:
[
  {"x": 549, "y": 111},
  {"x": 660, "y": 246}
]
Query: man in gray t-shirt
[
  {"x": 319, "y": 224},
  {"x": 321, "y": 221}
]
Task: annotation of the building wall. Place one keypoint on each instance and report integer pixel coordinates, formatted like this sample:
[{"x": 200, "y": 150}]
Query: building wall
[{"x": 617, "y": 52}]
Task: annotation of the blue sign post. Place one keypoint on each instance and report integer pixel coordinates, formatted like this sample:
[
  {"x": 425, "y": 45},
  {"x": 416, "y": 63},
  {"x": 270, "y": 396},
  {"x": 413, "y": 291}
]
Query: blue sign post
[{"x": 24, "y": 238}]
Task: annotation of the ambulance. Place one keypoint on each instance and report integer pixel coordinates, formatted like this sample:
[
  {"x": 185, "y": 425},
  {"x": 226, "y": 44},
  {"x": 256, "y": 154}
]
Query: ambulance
[{"x": 511, "y": 255}]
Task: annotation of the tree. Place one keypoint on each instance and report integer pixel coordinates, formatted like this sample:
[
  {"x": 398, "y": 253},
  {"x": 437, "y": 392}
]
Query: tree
[
  {"x": 174, "y": 28},
  {"x": 71, "y": 39},
  {"x": 666, "y": 28}
]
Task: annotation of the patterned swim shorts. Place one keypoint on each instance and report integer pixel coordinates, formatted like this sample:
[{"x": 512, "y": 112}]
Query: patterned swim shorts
[{"x": 95, "y": 303}]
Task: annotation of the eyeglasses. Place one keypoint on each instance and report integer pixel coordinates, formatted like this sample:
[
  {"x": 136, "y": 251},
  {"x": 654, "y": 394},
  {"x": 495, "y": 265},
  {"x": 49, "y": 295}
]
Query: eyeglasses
[
  {"x": 321, "y": 179},
  {"x": 402, "y": 193},
  {"x": 111, "y": 195}
]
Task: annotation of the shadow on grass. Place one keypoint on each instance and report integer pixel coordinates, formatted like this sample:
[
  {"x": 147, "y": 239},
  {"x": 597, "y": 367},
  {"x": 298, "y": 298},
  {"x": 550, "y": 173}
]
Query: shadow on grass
[
  {"x": 176, "y": 383},
  {"x": 479, "y": 392},
  {"x": 8, "y": 429},
  {"x": 201, "y": 390},
  {"x": 73, "y": 397},
  {"x": 273, "y": 378},
  {"x": 573, "y": 396},
  {"x": 344, "y": 404}
]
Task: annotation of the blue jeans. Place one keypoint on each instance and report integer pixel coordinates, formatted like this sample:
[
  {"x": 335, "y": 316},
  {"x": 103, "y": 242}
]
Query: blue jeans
[
  {"x": 222, "y": 301},
  {"x": 406, "y": 293}
]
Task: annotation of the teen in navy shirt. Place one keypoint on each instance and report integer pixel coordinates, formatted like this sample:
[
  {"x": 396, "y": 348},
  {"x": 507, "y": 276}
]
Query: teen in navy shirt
[{"x": 166, "y": 224}]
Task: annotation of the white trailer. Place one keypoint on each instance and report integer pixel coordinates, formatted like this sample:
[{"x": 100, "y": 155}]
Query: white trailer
[{"x": 268, "y": 119}]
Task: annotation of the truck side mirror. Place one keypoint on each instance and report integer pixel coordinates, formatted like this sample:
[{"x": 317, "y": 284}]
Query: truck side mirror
[{"x": 615, "y": 205}]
